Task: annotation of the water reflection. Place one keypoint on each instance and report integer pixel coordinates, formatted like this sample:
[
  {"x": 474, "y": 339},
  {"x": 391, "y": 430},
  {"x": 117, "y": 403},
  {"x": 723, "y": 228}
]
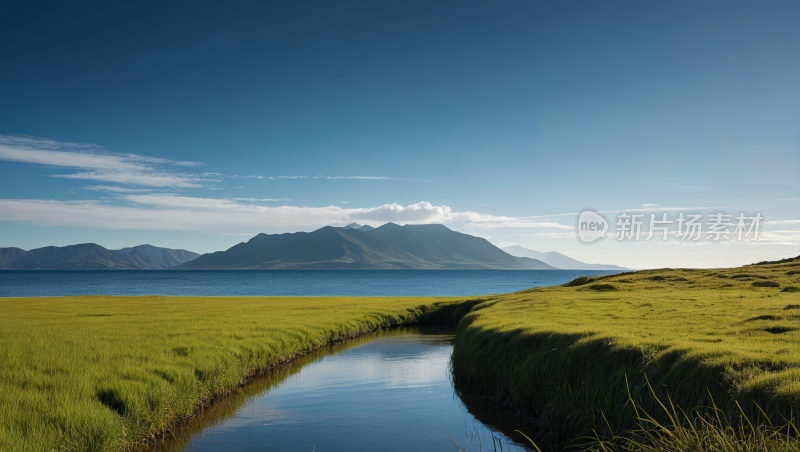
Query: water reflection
[
  {"x": 488, "y": 419},
  {"x": 389, "y": 390}
]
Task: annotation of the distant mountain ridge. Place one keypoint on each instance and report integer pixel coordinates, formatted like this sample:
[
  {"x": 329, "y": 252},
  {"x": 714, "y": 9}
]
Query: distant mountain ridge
[
  {"x": 91, "y": 256},
  {"x": 558, "y": 260},
  {"x": 360, "y": 227},
  {"x": 161, "y": 257},
  {"x": 356, "y": 247}
]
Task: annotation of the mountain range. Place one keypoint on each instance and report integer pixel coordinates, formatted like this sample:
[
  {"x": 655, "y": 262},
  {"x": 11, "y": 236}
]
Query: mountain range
[
  {"x": 355, "y": 246},
  {"x": 557, "y": 260},
  {"x": 90, "y": 256}
]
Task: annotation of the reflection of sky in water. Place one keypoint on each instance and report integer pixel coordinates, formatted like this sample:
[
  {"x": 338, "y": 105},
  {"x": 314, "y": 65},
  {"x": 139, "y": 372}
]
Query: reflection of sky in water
[{"x": 388, "y": 394}]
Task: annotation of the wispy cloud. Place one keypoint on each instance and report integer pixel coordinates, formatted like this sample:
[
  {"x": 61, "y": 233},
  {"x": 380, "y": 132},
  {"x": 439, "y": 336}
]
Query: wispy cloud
[
  {"x": 95, "y": 163},
  {"x": 184, "y": 202},
  {"x": 337, "y": 177},
  {"x": 506, "y": 244},
  {"x": 638, "y": 209},
  {"x": 262, "y": 199},
  {"x": 234, "y": 215},
  {"x": 551, "y": 235},
  {"x": 114, "y": 189},
  {"x": 145, "y": 178},
  {"x": 690, "y": 243},
  {"x": 359, "y": 177}
]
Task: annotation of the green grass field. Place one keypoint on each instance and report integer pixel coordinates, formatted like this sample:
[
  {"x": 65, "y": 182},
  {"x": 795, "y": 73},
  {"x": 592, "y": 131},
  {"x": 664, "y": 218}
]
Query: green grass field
[
  {"x": 575, "y": 354},
  {"x": 101, "y": 373},
  {"x": 104, "y": 373}
]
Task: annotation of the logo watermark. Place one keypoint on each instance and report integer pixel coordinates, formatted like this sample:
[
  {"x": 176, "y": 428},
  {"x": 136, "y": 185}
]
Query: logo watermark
[{"x": 592, "y": 227}]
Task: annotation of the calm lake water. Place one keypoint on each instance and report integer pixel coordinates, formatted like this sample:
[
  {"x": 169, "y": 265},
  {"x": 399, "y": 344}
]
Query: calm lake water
[
  {"x": 386, "y": 391},
  {"x": 364, "y": 283}
]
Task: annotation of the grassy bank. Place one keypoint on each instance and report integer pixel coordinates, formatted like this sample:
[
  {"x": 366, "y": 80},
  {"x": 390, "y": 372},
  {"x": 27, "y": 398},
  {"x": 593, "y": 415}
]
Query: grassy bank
[
  {"x": 574, "y": 355},
  {"x": 101, "y": 373}
]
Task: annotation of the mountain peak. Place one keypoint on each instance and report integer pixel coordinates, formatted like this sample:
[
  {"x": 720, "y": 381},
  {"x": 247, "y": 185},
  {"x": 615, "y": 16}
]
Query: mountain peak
[
  {"x": 359, "y": 227},
  {"x": 354, "y": 246},
  {"x": 388, "y": 225}
]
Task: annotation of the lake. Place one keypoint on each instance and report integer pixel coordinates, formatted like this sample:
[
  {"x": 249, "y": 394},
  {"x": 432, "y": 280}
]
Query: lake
[
  {"x": 386, "y": 391},
  {"x": 361, "y": 283}
]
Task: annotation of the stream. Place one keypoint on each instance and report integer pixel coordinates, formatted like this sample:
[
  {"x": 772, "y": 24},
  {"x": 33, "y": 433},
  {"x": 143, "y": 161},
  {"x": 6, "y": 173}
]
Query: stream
[{"x": 390, "y": 390}]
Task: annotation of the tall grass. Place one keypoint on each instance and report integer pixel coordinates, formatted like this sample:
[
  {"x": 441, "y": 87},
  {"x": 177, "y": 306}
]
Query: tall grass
[
  {"x": 701, "y": 429},
  {"x": 103, "y": 373},
  {"x": 576, "y": 356}
]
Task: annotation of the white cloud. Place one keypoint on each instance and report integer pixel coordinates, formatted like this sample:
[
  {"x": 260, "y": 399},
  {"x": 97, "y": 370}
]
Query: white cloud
[
  {"x": 688, "y": 243},
  {"x": 149, "y": 179},
  {"x": 289, "y": 177},
  {"x": 117, "y": 189},
  {"x": 233, "y": 215},
  {"x": 261, "y": 199},
  {"x": 414, "y": 213},
  {"x": 359, "y": 177},
  {"x": 98, "y": 164},
  {"x": 649, "y": 205},
  {"x": 776, "y": 238},
  {"x": 551, "y": 235},
  {"x": 491, "y": 222},
  {"x": 662, "y": 209},
  {"x": 506, "y": 244}
]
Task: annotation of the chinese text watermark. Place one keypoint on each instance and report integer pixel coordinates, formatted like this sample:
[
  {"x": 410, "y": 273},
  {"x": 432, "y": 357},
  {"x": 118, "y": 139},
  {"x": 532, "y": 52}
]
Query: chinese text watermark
[{"x": 592, "y": 227}]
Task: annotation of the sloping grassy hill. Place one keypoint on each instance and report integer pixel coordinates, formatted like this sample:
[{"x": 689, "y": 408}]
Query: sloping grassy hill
[{"x": 574, "y": 354}]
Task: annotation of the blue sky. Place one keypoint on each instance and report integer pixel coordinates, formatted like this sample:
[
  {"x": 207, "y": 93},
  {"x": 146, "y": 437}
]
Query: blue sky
[{"x": 199, "y": 124}]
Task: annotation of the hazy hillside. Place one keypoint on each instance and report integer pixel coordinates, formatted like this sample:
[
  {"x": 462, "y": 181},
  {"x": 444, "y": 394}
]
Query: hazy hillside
[
  {"x": 9, "y": 255},
  {"x": 390, "y": 246},
  {"x": 468, "y": 246},
  {"x": 558, "y": 260},
  {"x": 149, "y": 256},
  {"x": 326, "y": 248},
  {"x": 90, "y": 256},
  {"x": 534, "y": 264}
]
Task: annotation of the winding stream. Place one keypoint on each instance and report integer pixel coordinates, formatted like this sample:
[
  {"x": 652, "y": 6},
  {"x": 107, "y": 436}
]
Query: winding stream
[{"x": 386, "y": 391}]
